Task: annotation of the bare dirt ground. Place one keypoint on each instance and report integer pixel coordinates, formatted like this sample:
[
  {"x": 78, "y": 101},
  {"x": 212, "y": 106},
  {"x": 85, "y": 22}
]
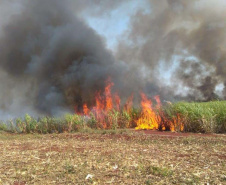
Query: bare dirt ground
[{"x": 141, "y": 157}]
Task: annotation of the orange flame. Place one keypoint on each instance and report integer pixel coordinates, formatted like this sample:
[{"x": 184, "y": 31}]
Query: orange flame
[
  {"x": 98, "y": 110},
  {"x": 157, "y": 99},
  {"x": 177, "y": 124},
  {"x": 149, "y": 119},
  {"x": 109, "y": 103},
  {"x": 85, "y": 109},
  {"x": 104, "y": 104},
  {"x": 117, "y": 101},
  {"x": 129, "y": 104},
  {"x": 99, "y": 102}
]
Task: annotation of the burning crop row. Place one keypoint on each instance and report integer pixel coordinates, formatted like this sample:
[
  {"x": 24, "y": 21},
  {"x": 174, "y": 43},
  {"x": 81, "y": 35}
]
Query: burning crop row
[
  {"x": 110, "y": 113},
  {"x": 149, "y": 115}
]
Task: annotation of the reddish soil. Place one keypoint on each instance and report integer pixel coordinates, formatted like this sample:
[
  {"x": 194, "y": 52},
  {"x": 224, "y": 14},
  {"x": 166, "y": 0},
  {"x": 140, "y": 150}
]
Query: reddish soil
[{"x": 177, "y": 134}]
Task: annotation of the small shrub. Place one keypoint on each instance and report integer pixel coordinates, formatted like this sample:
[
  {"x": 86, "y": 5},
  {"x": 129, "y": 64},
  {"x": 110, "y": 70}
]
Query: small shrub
[
  {"x": 42, "y": 126},
  {"x": 69, "y": 168},
  {"x": 3, "y": 127},
  {"x": 92, "y": 122},
  {"x": 158, "y": 171}
]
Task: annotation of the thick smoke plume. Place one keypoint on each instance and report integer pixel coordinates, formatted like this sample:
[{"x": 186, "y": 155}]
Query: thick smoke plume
[
  {"x": 184, "y": 41},
  {"x": 51, "y": 61}
]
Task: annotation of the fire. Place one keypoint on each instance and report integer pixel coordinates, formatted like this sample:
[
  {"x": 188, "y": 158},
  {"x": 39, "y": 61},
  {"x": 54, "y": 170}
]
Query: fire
[
  {"x": 108, "y": 105},
  {"x": 85, "y": 109},
  {"x": 177, "y": 124},
  {"x": 99, "y": 110},
  {"x": 99, "y": 102},
  {"x": 117, "y": 102},
  {"x": 129, "y": 104},
  {"x": 157, "y": 99},
  {"x": 149, "y": 119},
  {"x": 104, "y": 105}
]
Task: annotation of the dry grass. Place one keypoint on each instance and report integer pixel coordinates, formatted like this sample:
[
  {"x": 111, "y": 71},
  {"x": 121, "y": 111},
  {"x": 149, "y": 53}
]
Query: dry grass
[{"x": 111, "y": 158}]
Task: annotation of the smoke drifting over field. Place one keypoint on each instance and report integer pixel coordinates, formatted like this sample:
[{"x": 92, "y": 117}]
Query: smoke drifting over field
[
  {"x": 188, "y": 36},
  {"x": 51, "y": 61}
]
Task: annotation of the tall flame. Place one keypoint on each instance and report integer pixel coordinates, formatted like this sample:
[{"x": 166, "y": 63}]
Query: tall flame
[
  {"x": 109, "y": 102},
  {"x": 85, "y": 109},
  {"x": 149, "y": 119},
  {"x": 129, "y": 104},
  {"x": 99, "y": 109},
  {"x": 117, "y": 102},
  {"x": 177, "y": 124}
]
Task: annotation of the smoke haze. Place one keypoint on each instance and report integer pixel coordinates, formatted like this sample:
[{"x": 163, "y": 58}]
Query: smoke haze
[
  {"x": 52, "y": 61},
  {"x": 186, "y": 40}
]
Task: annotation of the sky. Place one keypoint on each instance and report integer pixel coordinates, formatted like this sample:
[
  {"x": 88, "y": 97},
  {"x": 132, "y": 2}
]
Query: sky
[
  {"x": 114, "y": 24},
  {"x": 110, "y": 25},
  {"x": 173, "y": 48}
]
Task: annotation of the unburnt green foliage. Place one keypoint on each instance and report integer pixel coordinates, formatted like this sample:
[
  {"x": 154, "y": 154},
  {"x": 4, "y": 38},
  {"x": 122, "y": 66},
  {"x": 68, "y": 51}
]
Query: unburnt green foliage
[
  {"x": 206, "y": 117},
  {"x": 29, "y": 124},
  {"x": 71, "y": 122}
]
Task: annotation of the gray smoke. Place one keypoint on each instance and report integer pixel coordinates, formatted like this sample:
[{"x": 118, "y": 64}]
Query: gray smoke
[
  {"x": 50, "y": 60},
  {"x": 186, "y": 39}
]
